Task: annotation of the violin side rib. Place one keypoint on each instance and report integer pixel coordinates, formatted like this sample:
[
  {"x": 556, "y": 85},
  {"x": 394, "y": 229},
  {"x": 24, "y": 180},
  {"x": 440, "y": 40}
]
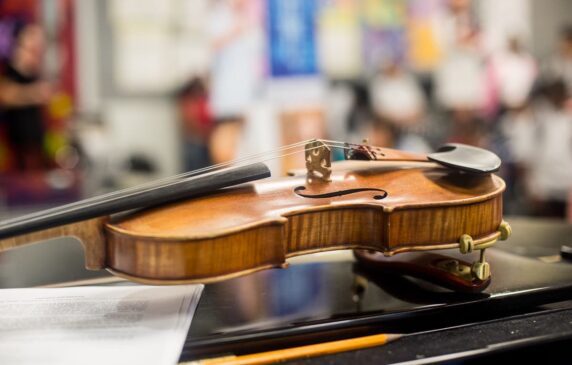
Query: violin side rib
[
  {"x": 155, "y": 260},
  {"x": 174, "y": 261}
]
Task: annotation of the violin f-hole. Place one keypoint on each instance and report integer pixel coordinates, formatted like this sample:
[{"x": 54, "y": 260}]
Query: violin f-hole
[{"x": 298, "y": 190}]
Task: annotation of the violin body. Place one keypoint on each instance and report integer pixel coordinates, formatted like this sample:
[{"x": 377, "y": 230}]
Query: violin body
[
  {"x": 218, "y": 223},
  {"x": 388, "y": 207}
]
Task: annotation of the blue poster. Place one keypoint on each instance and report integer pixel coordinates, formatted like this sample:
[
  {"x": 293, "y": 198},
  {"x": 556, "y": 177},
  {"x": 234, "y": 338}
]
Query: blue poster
[{"x": 291, "y": 35}]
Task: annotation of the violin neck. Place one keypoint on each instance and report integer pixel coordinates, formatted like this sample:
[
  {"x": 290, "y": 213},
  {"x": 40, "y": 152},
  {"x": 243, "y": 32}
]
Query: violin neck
[
  {"x": 132, "y": 199},
  {"x": 89, "y": 232},
  {"x": 85, "y": 219}
]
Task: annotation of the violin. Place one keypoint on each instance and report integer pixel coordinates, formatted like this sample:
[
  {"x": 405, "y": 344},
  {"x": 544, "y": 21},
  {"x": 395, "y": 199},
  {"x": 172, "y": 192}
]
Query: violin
[{"x": 226, "y": 221}]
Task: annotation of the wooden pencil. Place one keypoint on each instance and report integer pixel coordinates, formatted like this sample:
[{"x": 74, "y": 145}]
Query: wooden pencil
[{"x": 324, "y": 348}]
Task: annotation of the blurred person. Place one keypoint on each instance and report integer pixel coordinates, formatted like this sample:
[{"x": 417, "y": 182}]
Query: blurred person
[
  {"x": 460, "y": 79},
  {"x": 196, "y": 119},
  {"x": 467, "y": 128},
  {"x": 360, "y": 109},
  {"x": 382, "y": 133},
  {"x": 517, "y": 128},
  {"x": 549, "y": 157},
  {"x": 396, "y": 96},
  {"x": 23, "y": 96},
  {"x": 235, "y": 73},
  {"x": 365, "y": 123},
  {"x": 512, "y": 76},
  {"x": 560, "y": 65},
  {"x": 375, "y": 131},
  {"x": 339, "y": 103},
  {"x": 454, "y": 24},
  {"x": 461, "y": 88},
  {"x": 514, "y": 72}
]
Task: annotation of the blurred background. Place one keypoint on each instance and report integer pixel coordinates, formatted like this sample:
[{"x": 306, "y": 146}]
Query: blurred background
[{"x": 100, "y": 95}]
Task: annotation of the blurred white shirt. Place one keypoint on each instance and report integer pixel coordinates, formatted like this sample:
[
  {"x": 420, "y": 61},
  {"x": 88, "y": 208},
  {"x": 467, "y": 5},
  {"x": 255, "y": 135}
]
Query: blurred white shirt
[
  {"x": 398, "y": 97},
  {"x": 550, "y": 155},
  {"x": 236, "y": 71},
  {"x": 561, "y": 67},
  {"x": 519, "y": 129},
  {"x": 460, "y": 81},
  {"x": 514, "y": 74}
]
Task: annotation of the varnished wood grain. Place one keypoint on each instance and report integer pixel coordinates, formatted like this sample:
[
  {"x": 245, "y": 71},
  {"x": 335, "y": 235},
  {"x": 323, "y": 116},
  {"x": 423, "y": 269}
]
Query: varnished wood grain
[
  {"x": 334, "y": 228},
  {"x": 179, "y": 259},
  {"x": 257, "y": 226},
  {"x": 441, "y": 225}
]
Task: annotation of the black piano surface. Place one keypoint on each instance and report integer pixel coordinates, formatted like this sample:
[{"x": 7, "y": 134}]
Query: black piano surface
[{"x": 329, "y": 296}]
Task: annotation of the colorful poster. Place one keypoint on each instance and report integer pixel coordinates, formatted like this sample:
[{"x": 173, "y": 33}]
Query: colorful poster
[
  {"x": 384, "y": 46},
  {"x": 386, "y": 14},
  {"x": 424, "y": 49},
  {"x": 291, "y": 36},
  {"x": 339, "y": 27}
]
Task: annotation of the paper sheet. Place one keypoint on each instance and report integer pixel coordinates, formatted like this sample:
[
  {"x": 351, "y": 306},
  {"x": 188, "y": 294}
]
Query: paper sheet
[{"x": 96, "y": 325}]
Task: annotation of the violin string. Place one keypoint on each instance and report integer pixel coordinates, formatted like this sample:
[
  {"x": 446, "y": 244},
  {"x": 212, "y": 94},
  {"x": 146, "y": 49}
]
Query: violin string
[
  {"x": 214, "y": 167},
  {"x": 262, "y": 160},
  {"x": 159, "y": 183},
  {"x": 176, "y": 178},
  {"x": 165, "y": 182},
  {"x": 245, "y": 158},
  {"x": 86, "y": 203},
  {"x": 169, "y": 180}
]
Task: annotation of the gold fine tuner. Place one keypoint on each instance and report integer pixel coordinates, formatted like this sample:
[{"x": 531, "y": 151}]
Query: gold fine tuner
[{"x": 481, "y": 269}]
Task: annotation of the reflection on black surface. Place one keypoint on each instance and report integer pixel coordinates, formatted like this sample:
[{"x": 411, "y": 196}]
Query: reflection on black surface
[
  {"x": 414, "y": 290},
  {"x": 309, "y": 294},
  {"x": 273, "y": 297},
  {"x": 317, "y": 298},
  {"x": 278, "y": 298}
]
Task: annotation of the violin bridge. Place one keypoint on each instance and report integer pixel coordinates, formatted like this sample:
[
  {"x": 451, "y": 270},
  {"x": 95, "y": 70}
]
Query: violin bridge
[{"x": 318, "y": 160}]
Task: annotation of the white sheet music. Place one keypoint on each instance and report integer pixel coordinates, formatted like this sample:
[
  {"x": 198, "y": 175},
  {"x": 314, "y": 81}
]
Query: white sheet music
[{"x": 96, "y": 325}]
